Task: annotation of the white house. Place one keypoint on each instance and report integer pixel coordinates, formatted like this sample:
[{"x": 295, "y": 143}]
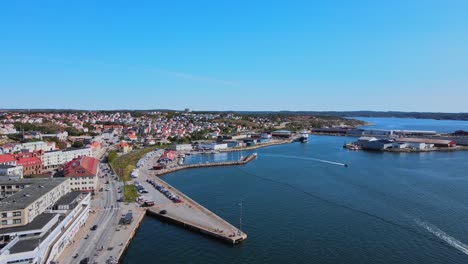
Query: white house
[
  {"x": 11, "y": 172},
  {"x": 182, "y": 147}
]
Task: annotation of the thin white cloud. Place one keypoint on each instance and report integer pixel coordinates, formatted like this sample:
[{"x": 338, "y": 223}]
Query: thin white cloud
[{"x": 177, "y": 74}]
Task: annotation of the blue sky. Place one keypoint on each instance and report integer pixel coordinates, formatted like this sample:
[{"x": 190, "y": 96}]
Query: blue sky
[{"x": 404, "y": 55}]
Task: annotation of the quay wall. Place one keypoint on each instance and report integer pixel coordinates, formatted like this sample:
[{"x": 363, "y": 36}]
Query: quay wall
[{"x": 126, "y": 244}]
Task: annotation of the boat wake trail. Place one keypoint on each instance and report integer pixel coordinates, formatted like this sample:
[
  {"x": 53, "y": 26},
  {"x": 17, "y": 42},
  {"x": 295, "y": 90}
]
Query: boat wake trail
[
  {"x": 444, "y": 236},
  {"x": 306, "y": 158},
  {"x": 459, "y": 245}
]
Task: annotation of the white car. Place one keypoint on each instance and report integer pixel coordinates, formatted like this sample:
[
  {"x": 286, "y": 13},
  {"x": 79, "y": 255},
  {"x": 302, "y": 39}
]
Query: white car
[{"x": 107, "y": 189}]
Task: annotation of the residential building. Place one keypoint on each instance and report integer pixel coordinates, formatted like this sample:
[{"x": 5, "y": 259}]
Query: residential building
[
  {"x": 7, "y": 159},
  {"x": 38, "y": 146},
  {"x": 54, "y": 159},
  {"x": 83, "y": 173},
  {"x": 45, "y": 238},
  {"x": 62, "y": 136},
  {"x": 74, "y": 153},
  {"x": 9, "y": 187},
  {"x": 31, "y": 165},
  {"x": 11, "y": 172},
  {"x": 24, "y": 206},
  {"x": 124, "y": 147}
]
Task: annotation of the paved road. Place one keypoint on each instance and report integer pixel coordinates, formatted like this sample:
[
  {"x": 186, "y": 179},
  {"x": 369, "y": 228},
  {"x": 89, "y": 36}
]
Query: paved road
[{"x": 107, "y": 214}]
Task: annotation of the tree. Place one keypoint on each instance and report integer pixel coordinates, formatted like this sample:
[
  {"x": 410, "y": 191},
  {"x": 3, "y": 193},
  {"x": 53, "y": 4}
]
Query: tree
[
  {"x": 77, "y": 144},
  {"x": 112, "y": 156}
]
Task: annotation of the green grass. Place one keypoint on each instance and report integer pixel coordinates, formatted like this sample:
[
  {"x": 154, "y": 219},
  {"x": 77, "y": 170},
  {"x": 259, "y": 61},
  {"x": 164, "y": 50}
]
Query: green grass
[
  {"x": 130, "y": 193},
  {"x": 124, "y": 164}
]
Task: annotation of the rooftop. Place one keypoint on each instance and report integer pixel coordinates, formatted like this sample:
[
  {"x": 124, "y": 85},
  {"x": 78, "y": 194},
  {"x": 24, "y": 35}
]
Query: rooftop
[
  {"x": 74, "y": 149},
  {"x": 81, "y": 167},
  {"x": 38, "y": 223},
  {"x": 6, "y": 158},
  {"x": 26, "y": 196},
  {"x": 17, "y": 182},
  {"x": 68, "y": 198},
  {"x": 7, "y": 166}
]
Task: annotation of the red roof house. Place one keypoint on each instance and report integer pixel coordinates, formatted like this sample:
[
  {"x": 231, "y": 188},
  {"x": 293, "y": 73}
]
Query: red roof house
[
  {"x": 83, "y": 172},
  {"x": 7, "y": 159}
]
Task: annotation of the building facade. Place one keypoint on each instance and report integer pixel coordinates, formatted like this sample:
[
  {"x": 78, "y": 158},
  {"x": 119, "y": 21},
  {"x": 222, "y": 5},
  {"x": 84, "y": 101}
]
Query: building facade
[
  {"x": 23, "y": 206},
  {"x": 83, "y": 173},
  {"x": 30, "y": 165},
  {"x": 11, "y": 172}
]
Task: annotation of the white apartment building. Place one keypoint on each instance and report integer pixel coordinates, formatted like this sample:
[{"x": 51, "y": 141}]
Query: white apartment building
[
  {"x": 22, "y": 207},
  {"x": 53, "y": 159},
  {"x": 49, "y": 235}
]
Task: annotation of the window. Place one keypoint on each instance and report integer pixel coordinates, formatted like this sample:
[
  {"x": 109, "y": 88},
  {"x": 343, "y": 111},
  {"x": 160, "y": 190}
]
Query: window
[
  {"x": 17, "y": 213},
  {"x": 4, "y": 222},
  {"x": 16, "y": 221},
  {"x": 4, "y": 215}
]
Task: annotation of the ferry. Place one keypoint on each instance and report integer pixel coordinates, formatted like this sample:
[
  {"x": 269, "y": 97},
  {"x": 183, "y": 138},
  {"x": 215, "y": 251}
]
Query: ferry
[{"x": 304, "y": 136}]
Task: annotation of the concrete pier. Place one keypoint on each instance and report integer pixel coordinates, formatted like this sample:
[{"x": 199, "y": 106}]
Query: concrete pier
[{"x": 190, "y": 214}]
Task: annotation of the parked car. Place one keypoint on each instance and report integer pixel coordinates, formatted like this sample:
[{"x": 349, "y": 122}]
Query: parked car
[{"x": 94, "y": 227}]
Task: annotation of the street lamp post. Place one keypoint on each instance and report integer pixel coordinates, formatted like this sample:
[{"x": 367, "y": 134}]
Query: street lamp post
[{"x": 240, "y": 218}]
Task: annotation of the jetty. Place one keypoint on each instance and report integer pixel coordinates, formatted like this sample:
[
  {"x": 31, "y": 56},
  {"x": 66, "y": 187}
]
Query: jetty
[
  {"x": 188, "y": 213},
  {"x": 173, "y": 206}
]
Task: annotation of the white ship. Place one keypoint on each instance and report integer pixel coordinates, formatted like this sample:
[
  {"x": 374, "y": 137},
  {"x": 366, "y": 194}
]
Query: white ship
[{"x": 304, "y": 136}]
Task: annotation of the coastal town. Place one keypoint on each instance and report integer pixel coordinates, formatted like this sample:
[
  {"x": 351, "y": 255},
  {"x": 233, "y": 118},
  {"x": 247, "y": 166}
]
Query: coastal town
[{"x": 75, "y": 185}]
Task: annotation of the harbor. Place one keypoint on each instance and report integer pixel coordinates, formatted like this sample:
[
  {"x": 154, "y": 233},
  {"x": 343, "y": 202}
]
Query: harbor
[{"x": 299, "y": 197}]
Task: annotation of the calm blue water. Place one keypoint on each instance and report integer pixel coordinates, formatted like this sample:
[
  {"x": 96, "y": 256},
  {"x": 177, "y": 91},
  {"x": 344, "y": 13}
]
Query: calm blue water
[
  {"x": 383, "y": 208},
  {"x": 441, "y": 126}
]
